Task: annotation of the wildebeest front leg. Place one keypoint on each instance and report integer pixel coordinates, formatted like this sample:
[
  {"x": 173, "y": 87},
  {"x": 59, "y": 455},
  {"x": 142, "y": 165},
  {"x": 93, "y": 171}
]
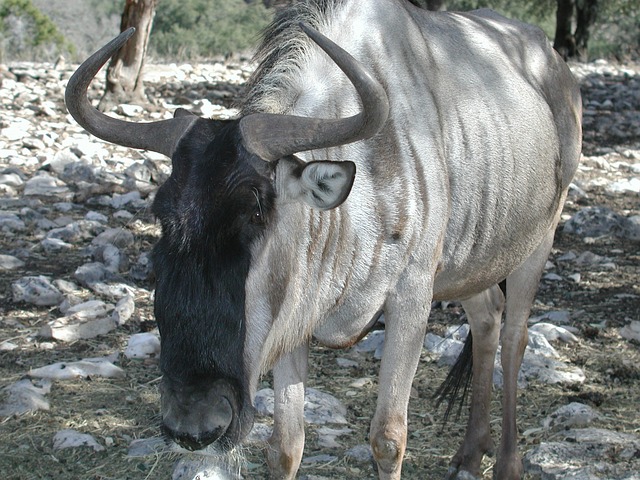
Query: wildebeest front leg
[
  {"x": 484, "y": 312},
  {"x": 522, "y": 286},
  {"x": 287, "y": 440},
  {"x": 405, "y": 326}
]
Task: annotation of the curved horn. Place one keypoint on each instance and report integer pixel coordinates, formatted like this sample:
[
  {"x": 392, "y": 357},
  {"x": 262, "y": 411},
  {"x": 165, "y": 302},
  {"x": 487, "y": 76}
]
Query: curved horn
[
  {"x": 161, "y": 136},
  {"x": 272, "y": 136}
]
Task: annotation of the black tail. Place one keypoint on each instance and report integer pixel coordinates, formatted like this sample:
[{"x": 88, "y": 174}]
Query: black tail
[{"x": 458, "y": 377}]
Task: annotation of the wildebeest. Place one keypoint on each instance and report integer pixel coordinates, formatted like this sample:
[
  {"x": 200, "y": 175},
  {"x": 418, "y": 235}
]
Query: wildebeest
[{"x": 430, "y": 162}]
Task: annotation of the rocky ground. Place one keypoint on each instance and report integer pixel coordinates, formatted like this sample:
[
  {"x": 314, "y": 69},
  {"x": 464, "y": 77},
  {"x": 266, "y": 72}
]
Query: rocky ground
[{"x": 79, "y": 348}]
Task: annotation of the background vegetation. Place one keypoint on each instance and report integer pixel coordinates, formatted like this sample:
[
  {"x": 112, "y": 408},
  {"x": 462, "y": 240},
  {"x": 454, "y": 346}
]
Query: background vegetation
[{"x": 198, "y": 29}]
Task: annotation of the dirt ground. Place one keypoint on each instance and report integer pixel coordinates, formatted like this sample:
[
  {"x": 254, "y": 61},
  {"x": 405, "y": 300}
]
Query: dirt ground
[{"x": 116, "y": 411}]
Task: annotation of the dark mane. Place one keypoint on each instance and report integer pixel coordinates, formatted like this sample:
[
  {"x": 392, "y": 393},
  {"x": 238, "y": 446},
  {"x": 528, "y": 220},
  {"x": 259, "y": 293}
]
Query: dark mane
[{"x": 281, "y": 51}]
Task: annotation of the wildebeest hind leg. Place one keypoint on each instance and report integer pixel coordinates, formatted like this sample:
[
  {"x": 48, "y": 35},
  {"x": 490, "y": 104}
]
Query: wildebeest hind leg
[
  {"x": 484, "y": 313},
  {"x": 287, "y": 440}
]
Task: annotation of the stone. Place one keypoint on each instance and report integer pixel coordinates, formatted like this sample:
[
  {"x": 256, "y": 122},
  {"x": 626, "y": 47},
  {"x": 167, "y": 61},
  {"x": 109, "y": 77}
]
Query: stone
[
  {"x": 129, "y": 110},
  {"x": 572, "y": 415},
  {"x": 100, "y": 367},
  {"x": 91, "y": 273},
  {"x": 372, "y": 342},
  {"x": 71, "y": 328},
  {"x": 11, "y": 179},
  {"x": 327, "y": 437},
  {"x": 323, "y": 458},
  {"x": 630, "y": 185},
  {"x": 142, "y": 269},
  {"x": 217, "y": 467},
  {"x": 631, "y": 331},
  {"x": 10, "y": 222},
  {"x": 596, "y": 222},
  {"x": 53, "y": 245},
  {"x": 124, "y": 309},
  {"x": 44, "y": 185},
  {"x": 553, "y": 332},
  {"x": 118, "y": 201},
  {"x": 69, "y": 438},
  {"x": 446, "y": 350},
  {"x": 9, "y": 262},
  {"x": 360, "y": 454},
  {"x": 119, "y": 237},
  {"x": 61, "y": 159},
  {"x": 25, "y": 396},
  {"x": 96, "y": 217},
  {"x": 37, "y": 291},
  {"x": 319, "y": 407},
  {"x": 586, "y": 454},
  {"x": 143, "y": 447},
  {"x": 143, "y": 345}
]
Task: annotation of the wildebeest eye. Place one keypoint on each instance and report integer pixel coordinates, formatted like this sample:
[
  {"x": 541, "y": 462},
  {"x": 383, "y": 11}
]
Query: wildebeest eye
[{"x": 257, "y": 217}]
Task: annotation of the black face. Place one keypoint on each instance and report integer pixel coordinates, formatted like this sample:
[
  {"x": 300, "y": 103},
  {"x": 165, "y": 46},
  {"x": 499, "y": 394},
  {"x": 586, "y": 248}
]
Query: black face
[{"x": 213, "y": 207}]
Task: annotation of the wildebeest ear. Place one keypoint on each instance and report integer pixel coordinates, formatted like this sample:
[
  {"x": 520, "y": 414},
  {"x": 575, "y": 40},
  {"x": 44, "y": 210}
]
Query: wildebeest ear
[{"x": 320, "y": 184}]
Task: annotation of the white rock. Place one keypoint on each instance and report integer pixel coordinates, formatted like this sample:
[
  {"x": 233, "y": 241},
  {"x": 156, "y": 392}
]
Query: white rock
[
  {"x": 10, "y": 222},
  {"x": 129, "y": 110},
  {"x": 572, "y": 415},
  {"x": 446, "y": 350},
  {"x": 143, "y": 345},
  {"x": 327, "y": 437},
  {"x": 319, "y": 407},
  {"x": 360, "y": 453},
  {"x": 143, "y": 447},
  {"x": 80, "y": 369},
  {"x": 585, "y": 454},
  {"x": 630, "y": 185},
  {"x": 16, "y": 131},
  {"x": 96, "y": 217},
  {"x": 52, "y": 245},
  {"x": 89, "y": 310},
  {"x": 207, "y": 468},
  {"x": 9, "y": 262},
  {"x": 45, "y": 185},
  {"x": 118, "y": 201},
  {"x": 120, "y": 237},
  {"x": 124, "y": 309},
  {"x": 73, "y": 439},
  {"x": 70, "y": 329},
  {"x": 113, "y": 290},
  {"x": 631, "y": 331},
  {"x": 372, "y": 342},
  {"x": 91, "y": 273},
  {"x": 60, "y": 160},
  {"x": 553, "y": 332},
  {"x": 36, "y": 290},
  {"x": 557, "y": 317},
  {"x": 11, "y": 179},
  {"x": 25, "y": 396}
]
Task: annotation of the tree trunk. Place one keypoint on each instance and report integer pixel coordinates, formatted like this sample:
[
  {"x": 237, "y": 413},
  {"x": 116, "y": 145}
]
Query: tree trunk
[
  {"x": 587, "y": 12},
  {"x": 124, "y": 73},
  {"x": 565, "y": 42}
]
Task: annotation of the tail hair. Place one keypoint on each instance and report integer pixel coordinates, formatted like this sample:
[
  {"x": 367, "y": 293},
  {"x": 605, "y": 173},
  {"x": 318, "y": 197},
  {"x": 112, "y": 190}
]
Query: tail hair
[{"x": 455, "y": 388}]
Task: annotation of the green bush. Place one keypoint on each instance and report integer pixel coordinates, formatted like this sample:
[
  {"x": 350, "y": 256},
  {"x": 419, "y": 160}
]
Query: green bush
[
  {"x": 204, "y": 28},
  {"x": 27, "y": 32}
]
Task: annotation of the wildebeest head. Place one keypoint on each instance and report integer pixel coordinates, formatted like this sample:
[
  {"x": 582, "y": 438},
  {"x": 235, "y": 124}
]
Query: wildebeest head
[{"x": 224, "y": 188}]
